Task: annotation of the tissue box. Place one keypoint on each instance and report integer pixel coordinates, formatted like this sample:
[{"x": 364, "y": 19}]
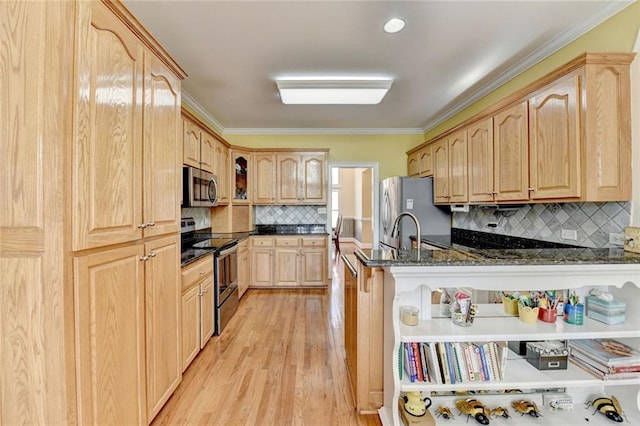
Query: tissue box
[
  {"x": 552, "y": 355},
  {"x": 606, "y": 311}
]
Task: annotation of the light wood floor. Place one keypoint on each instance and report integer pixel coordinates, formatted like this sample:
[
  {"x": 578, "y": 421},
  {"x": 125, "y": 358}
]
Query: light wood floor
[{"x": 280, "y": 361}]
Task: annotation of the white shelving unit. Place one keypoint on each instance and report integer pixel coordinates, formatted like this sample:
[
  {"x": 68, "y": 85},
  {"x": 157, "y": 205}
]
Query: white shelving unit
[{"x": 413, "y": 286}]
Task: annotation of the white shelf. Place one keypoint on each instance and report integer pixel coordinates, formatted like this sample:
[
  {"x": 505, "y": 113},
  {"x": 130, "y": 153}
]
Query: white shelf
[
  {"x": 522, "y": 375},
  {"x": 495, "y": 325}
]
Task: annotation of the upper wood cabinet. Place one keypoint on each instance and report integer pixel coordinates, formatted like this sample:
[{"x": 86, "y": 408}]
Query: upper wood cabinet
[
  {"x": 420, "y": 163},
  {"x": 241, "y": 173},
  {"x": 301, "y": 178},
  {"x": 264, "y": 181},
  {"x": 126, "y": 181},
  {"x": 221, "y": 170},
  {"x": 498, "y": 156},
  {"x": 554, "y": 144},
  {"x": 566, "y": 137},
  {"x": 198, "y": 146},
  {"x": 450, "y": 169}
]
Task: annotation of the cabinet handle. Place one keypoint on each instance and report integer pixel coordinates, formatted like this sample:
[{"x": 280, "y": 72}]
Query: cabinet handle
[
  {"x": 531, "y": 189},
  {"x": 142, "y": 225},
  {"x": 144, "y": 258},
  {"x": 151, "y": 254},
  {"x": 202, "y": 272},
  {"x": 151, "y": 224}
]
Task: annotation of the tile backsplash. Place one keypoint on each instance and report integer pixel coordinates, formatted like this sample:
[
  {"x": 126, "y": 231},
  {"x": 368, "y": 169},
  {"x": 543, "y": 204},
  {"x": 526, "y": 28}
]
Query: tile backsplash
[
  {"x": 592, "y": 221},
  {"x": 201, "y": 215},
  {"x": 289, "y": 215}
]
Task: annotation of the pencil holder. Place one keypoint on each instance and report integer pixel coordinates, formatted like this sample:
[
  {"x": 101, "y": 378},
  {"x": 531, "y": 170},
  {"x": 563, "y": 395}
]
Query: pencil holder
[
  {"x": 528, "y": 314},
  {"x": 574, "y": 314},
  {"x": 547, "y": 315},
  {"x": 510, "y": 305}
]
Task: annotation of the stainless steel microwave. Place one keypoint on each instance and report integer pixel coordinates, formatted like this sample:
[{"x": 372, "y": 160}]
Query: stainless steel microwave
[{"x": 200, "y": 188}]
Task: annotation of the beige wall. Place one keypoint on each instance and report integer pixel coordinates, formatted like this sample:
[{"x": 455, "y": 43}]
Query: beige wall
[{"x": 347, "y": 198}]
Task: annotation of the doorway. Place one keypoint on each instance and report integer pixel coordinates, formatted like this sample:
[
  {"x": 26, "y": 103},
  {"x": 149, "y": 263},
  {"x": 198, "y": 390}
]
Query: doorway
[{"x": 354, "y": 192}]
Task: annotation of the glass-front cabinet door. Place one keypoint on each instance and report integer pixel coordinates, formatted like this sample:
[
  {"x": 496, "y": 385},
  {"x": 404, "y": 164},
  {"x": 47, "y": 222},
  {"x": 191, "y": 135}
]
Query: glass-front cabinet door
[{"x": 241, "y": 177}]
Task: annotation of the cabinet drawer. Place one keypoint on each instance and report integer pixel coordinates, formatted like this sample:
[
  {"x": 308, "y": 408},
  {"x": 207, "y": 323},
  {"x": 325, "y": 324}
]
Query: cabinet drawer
[
  {"x": 287, "y": 241},
  {"x": 314, "y": 242},
  {"x": 262, "y": 241},
  {"x": 196, "y": 271}
]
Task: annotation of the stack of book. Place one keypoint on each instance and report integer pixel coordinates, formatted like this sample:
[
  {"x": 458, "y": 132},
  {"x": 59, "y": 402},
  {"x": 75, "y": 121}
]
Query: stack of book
[
  {"x": 454, "y": 362},
  {"x": 607, "y": 359}
]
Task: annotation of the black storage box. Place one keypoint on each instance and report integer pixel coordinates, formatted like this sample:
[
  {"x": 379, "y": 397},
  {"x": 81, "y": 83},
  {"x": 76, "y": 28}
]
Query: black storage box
[
  {"x": 518, "y": 346},
  {"x": 547, "y": 355}
]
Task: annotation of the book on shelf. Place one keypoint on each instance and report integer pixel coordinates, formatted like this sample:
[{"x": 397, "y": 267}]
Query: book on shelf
[
  {"x": 460, "y": 368},
  {"x": 602, "y": 373},
  {"x": 444, "y": 363},
  {"x": 483, "y": 362},
  {"x": 422, "y": 349},
  {"x": 417, "y": 362},
  {"x": 466, "y": 350},
  {"x": 610, "y": 352},
  {"x": 503, "y": 351},
  {"x": 435, "y": 374},
  {"x": 410, "y": 366}
]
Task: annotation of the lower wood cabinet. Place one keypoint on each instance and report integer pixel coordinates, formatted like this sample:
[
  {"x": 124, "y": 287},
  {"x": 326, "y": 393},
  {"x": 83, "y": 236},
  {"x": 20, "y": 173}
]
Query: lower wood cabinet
[
  {"x": 288, "y": 261},
  {"x": 127, "y": 331},
  {"x": 363, "y": 333},
  {"x": 244, "y": 267},
  {"x": 197, "y": 308}
]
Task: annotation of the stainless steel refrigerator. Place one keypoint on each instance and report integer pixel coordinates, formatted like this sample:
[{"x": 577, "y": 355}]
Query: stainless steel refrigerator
[{"x": 414, "y": 195}]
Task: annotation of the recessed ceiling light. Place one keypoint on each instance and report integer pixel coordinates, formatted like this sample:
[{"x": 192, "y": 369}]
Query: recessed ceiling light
[
  {"x": 394, "y": 25},
  {"x": 332, "y": 91}
]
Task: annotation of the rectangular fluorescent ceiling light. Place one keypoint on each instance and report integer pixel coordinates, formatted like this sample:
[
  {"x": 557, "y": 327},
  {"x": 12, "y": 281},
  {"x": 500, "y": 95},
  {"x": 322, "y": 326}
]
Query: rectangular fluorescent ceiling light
[{"x": 314, "y": 91}]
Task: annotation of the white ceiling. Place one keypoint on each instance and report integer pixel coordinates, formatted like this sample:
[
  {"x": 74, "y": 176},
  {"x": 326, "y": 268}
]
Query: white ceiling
[{"x": 449, "y": 55}]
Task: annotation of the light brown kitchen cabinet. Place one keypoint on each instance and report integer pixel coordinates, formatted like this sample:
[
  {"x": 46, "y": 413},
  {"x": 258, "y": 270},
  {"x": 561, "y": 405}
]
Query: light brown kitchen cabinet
[
  {"x": 126, "y": 183},
  {"x": 198, "y": 146},
  {"x": 425, "y": 161},
  {"x": 450, "y": 169},
  {"x": 363, "y": 333},
  {"x": 244, "y": 266},
  {"x": 413, "y": 164},
  {"x": 287, "y": 267},
  {"x": 208, "y": 152},
  {"x": 264, "y": 182},
  {"x": 301, "y": 178},
  {"x": 221, "y": 170},
  {"x": 498, "y": 156},
  {"x": 109, "y": 290},
  {"x": 313, "y": 256},
  {"x": 162, "y": 313},
  {"x": 78, "y": 210},
  {"x": 197, "y": 308},
  {"x": 554, "y": 145},
  {"x": 241, "y": 174},
  {"x": 262, "y": 252}
]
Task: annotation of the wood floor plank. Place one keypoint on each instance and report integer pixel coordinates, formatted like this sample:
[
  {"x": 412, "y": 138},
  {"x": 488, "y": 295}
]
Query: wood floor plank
[{"x": 280, "y": 361}]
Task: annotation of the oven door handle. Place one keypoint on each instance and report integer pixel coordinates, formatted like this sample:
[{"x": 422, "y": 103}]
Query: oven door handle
[{"x": 229, "y": 250}]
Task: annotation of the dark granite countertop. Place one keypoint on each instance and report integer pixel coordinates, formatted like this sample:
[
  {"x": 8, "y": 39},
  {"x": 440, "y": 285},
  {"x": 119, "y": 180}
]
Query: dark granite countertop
[
  {"x": 299, "y": 229},
  {"x": 191, "y": 255},
  {"x": 478, "y": 257}
]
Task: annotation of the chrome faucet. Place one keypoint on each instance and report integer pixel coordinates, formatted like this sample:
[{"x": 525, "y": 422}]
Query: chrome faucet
[{"x": 395, "y": 231}]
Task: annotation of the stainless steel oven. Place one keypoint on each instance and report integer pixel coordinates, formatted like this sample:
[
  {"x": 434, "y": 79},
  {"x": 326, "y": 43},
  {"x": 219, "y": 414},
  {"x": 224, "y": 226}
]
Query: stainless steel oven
[
  {"x": 226, "y": 288},
  {"x": 200, "y": 188}
]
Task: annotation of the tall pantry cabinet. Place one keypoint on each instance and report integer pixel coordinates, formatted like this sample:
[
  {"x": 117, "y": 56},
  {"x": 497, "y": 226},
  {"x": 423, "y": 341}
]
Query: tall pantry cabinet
[{"x": 89, "y": 252}]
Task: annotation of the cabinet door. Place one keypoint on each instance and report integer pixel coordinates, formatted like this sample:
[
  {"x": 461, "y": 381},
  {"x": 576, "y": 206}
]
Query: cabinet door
[
  {"x": 458, "y": 185},
  {"x": 162, "y": 169},
  {"x": 553, "y": 137},
  {"x": 261, "y": 268},
  {"x": 441, "y": 171},
  {"x": 351, "y": 328},
  {"x": 107, "y": 153},
  {"x": 190, "y": 325},
  {"x": 243, "y": 267},
  {"x": 287, "y": 268},
  {"x": 207, "y": 152},
  {"x": 425, "y": 161},
  {"x": 314, "y": 267},
  {"x": 413, "y": 165},
  {"x": 241, "y": 174},
  {"x": 222, "y": 171},
  {"x": 481, "y": 161},
  {"x": 206, "y": 310},
  {"x": 191, "y": 135},
  {"x": 288, "y": 179},
  {"x": 264, "y": 184},
  {"x": 109, "y": 307},
  {"x": 162, "y": 308},
  {"x": 511, "y": 153},
  {"x": 313, "y": 179}
]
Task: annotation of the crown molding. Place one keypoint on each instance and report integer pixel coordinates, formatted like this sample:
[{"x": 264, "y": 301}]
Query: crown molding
[
  {"x": 194, "y": 105},
  {"x": 537, "y": 56},
  {"x": 325, "y": 131}
]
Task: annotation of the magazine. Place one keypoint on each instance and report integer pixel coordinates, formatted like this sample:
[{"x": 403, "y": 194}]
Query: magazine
[{"x": 611, "y": 352}]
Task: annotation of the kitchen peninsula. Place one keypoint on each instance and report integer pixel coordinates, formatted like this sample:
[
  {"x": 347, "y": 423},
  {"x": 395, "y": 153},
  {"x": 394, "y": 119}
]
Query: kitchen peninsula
[{"x": 411, "y": 282}]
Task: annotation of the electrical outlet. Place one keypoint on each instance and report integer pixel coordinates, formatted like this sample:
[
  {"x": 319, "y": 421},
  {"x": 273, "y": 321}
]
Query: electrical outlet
[
  {"x": 616, "y": 239},
  {"x": 570, "y": 234},
  {"x": 268, "y": 219},
  {"x": 322, "y": 210}
]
